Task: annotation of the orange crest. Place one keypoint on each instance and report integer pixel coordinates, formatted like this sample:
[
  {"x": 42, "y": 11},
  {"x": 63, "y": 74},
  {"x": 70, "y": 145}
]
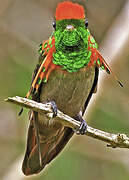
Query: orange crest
[{"x": 69, "y": 10}]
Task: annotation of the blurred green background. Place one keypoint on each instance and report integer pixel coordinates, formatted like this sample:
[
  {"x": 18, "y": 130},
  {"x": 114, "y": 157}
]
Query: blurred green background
[{"x": 23, "y": 26}]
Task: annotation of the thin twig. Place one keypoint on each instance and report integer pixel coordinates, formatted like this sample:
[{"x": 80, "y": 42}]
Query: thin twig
[{"x": 113, "y": 140}]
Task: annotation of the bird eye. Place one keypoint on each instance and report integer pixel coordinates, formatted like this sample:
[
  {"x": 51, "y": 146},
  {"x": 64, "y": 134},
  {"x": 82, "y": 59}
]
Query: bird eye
[
  {"x": 54, "y": 24},
  {"x": 86, "y": 23}
]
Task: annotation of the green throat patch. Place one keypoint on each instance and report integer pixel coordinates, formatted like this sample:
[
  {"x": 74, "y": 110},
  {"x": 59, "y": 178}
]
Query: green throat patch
[{"x": 71, "y": 45}]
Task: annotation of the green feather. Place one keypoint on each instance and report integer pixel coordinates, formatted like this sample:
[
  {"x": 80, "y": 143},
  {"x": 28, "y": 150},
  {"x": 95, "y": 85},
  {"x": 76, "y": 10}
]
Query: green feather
[{"x": 71, "y": 46}]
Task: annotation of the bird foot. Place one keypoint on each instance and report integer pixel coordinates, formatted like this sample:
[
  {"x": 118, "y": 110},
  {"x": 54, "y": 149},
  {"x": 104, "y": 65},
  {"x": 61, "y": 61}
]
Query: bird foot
[
  {"x": 83, "y": 127},
  {"x": 54, "y": 108}
]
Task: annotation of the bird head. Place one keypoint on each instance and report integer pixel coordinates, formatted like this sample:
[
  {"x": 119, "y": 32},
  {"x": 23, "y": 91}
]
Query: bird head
[{"x": 70, "y": 27}]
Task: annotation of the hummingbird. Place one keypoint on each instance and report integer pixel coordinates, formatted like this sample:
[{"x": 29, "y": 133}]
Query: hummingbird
[{"x": 66, "y": 76}]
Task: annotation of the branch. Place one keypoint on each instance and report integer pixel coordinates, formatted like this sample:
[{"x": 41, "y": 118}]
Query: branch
[{"x": 113, "y": 140}]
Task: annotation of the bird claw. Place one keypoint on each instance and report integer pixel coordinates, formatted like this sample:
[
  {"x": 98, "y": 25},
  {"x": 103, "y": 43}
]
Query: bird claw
[
  {"x": 54, "y": 108},
  {"x": 82, "y": 129}
]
